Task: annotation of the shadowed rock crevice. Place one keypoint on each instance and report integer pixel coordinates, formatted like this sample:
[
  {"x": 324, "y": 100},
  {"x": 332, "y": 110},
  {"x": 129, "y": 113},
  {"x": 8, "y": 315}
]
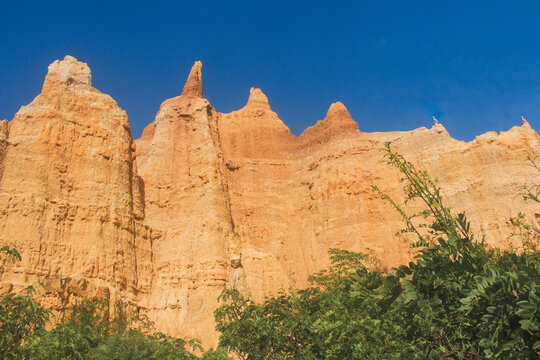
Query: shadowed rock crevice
[{"x": 4, "y": 133}]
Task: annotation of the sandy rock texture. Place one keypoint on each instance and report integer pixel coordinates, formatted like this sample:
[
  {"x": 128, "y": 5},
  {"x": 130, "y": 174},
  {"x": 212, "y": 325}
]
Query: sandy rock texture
[
  {"x": 70, "y": 196},
  {"x": 205, "y": 201},
  {"x": 187, "y": 203}
]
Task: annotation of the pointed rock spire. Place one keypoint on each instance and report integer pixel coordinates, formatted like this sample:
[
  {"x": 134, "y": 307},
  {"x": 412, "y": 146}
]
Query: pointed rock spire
[
  {"x": 435, "y": 121},
  {"x": 338, "y": 113},
  {"x": 524, "y": 122},
  {"x": 337, "y": 121},
  {"x": 193, "y": 87},
  {"x": 67, "y": 73},
  {"x": 257, "y": 100}
]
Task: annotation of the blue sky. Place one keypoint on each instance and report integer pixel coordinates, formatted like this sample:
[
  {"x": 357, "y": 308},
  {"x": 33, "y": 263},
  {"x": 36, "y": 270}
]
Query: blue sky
[{"x": 475, "y": 65}]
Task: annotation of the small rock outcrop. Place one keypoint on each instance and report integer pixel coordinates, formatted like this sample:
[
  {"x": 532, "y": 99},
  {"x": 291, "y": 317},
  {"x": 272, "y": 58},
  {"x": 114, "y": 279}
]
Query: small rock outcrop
[
  {"x": 337, "y": 122},
  {"x": 255, "y": 131},
  {"x": 67, "y": 74},
  {"x": 257, "y": 100}
]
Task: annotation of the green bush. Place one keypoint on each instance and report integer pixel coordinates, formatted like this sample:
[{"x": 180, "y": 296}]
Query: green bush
[
  {"x": 20, "y": 315},
  {"x": 87, "y": 333}
]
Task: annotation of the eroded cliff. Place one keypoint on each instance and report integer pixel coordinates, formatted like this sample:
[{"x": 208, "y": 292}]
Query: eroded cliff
[
  {"x": 205, "y": 201},
  {"x": 70, "y": 196}
]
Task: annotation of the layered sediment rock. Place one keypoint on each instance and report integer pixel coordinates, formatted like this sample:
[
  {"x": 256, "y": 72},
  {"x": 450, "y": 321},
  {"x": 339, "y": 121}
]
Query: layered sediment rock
[{"x": 207, "y": 201}]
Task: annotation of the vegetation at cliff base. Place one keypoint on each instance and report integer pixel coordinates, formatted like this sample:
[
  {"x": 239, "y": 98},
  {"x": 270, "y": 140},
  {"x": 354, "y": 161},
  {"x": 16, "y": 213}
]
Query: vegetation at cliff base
[
  {"x": 457, "y": 299},
  {"x": 84, "y": 332}
]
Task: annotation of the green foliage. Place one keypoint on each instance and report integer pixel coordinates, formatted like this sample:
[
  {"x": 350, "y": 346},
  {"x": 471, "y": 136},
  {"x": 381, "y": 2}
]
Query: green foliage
[
  {"x": 82, "y": 329},
  {"x": 87, "y": 333},
  {"x": 20, "y": 315},
  {"x": 529, "y": 231},
  {"x": 457, "y": 299},
  {"x": 8, "y": 254},
  {"x": 135, "y": 345}
]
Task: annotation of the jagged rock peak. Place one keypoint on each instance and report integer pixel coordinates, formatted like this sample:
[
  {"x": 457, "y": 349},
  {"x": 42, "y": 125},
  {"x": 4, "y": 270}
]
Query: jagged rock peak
[
  {"x": 193, "y": 87},
  {"x": 338, "y": 113},
  {"x": 435, "y": 121},
  {"x": 524, "y": 122},
  {"x": 257, "y": 100},
  {"x": 337, "y": 120},
  {"x": 67, "y": 73}
]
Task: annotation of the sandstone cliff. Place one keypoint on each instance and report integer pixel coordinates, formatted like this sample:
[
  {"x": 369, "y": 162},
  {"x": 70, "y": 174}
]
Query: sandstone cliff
[
  {"x": 205, "y": 201},
  {"x": 70, "y": 196}
]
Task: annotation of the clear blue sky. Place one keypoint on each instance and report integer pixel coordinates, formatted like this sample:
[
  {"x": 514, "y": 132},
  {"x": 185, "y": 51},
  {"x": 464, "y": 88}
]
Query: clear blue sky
[{"x": 473, "y": 64}]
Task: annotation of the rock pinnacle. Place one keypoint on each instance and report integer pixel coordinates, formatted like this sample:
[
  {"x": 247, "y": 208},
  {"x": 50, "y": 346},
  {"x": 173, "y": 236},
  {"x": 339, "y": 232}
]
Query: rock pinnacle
[
  {"x": 257, "y": 99},
  {"x": 67, "y": 73},
  {"x": 338, "y": 113},
  {"x": 193, "y": 87}
]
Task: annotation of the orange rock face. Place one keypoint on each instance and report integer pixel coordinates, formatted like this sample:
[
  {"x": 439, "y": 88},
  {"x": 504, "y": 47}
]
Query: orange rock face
[
  {"x": 70, "y": 196},
  {"x": 205, "y": 201},
  {"x": 187, "y": 203}
]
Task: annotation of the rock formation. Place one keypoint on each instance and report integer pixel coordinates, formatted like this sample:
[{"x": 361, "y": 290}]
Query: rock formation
[
  {"x": 205, "y": 201},
  {"x": 187, "y": 203},
  {"x": 70, "y": 196}
]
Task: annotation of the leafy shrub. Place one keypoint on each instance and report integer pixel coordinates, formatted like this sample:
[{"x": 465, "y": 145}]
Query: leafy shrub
[
  {"x": 87, "y": 333},
  {"x": 20, "y": 315}
]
